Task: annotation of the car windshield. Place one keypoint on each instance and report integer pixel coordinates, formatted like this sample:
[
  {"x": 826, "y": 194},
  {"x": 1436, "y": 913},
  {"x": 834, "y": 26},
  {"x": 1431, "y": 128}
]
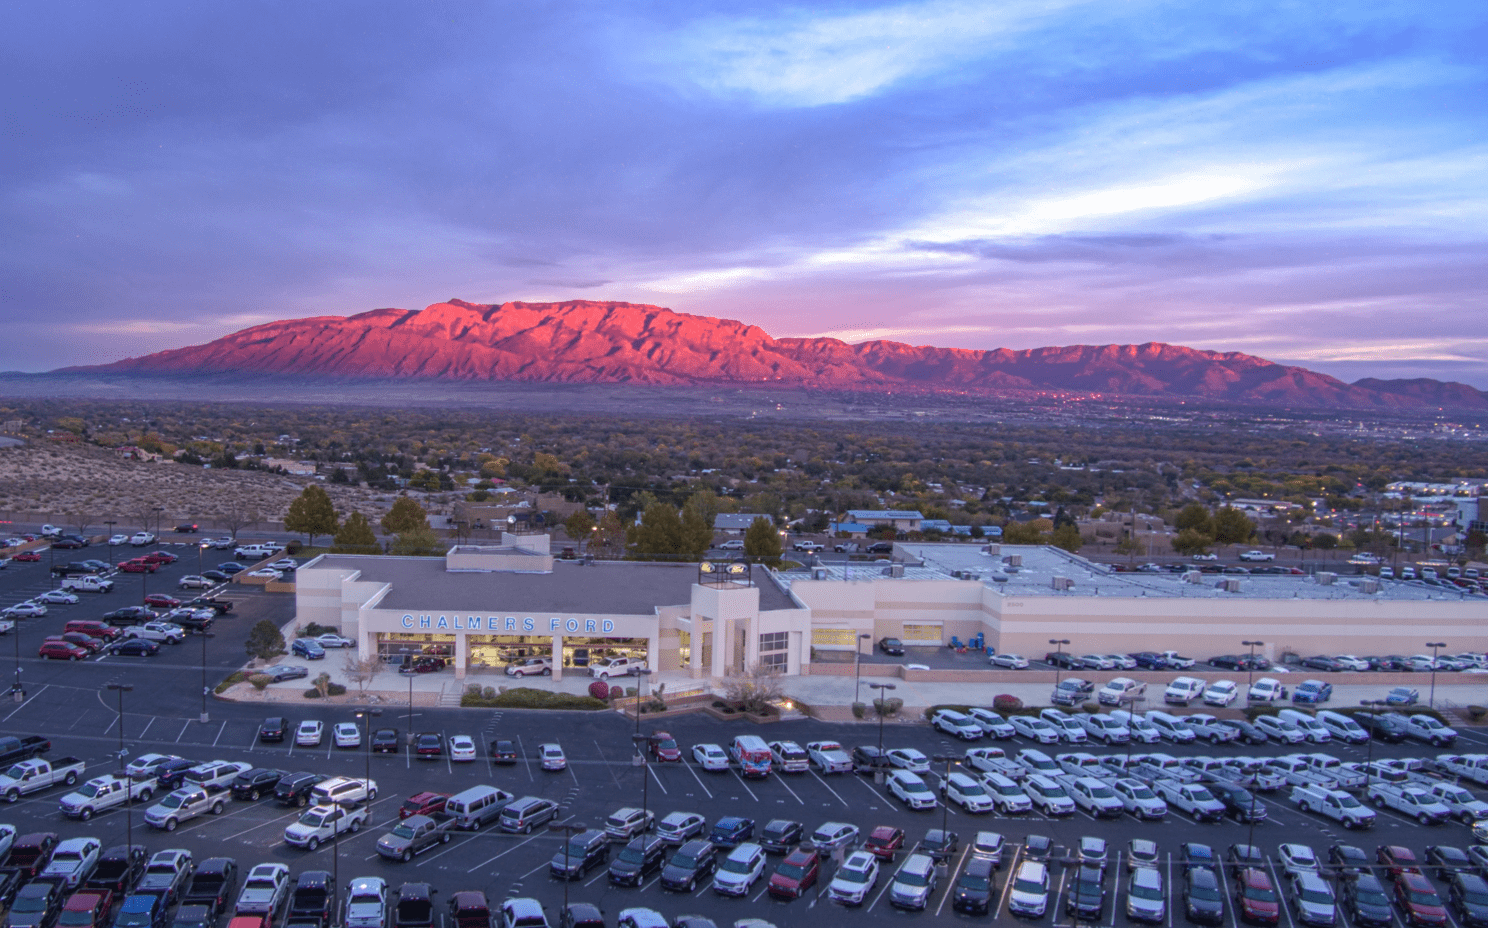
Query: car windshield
[
  {"x": 1102, "y": 792},
  {"x": 1315, "y": 896},
  {"x": 1259, "y": 894},
  {"x": 685, "y": 861},
  {"x": 577, "y": 848},
  {"x": 1206, "y": 893},
  {"x": 415, "y": 911},
  {"x": 1348, "y": 802},
  {"x": 971, "y": 789},
  {"x": 1146, "y": 892},
  {"x": 632, "y": 855},
  {"x": 1475, "y": 896},
  {"x": 315, "y": 818},
  {"x": 911, "y": 786},
  {"x": 906, "y": 878},
  {"x": 974, "y": 883},
  {"x": 1140, "y": 791},
  {"x": 1027, "y": 886},
  {"x": 1371, "y": 897},
  {"x": 851, "y": 875},
  {"x": 731, "y": 865}
]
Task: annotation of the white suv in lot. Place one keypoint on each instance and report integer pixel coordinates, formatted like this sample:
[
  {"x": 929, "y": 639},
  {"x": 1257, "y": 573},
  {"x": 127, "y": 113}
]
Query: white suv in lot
[
  {"x": 909, "y": 789},
  {"x": 966, "y": 792}
]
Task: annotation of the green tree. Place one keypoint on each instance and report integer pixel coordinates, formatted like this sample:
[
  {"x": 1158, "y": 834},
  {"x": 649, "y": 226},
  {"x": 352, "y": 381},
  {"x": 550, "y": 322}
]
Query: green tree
[
  {"x": 265, "y": 641},
  {"x": 1325, "y": 541},
  {"x": 418, "y": 541},
  {"x": 579, "y": 525},
  {"x": 762, "y": 541},
  {"x": 697, "y": 523},
  {"x": 425, "y": 480},
  {"x": 1195, "y": 516},
  {"x": 311, "y": 513},
  {"x": 1067, "y": 536},
  {"x": 660, "y": 532},
  {"x": 1191, "y": 542},
  {"x": 405, "y": 515},
  {"x": 1232, "y": 527},
  {"x": 356, "y": 536}
]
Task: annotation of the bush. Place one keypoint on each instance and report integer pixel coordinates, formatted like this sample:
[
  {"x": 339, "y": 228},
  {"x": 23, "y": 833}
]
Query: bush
[
  {"x": 1090, "y": 708},
  {"x": 332, "y": 689},
  {"x": 1006, "y": 702},
  {"x": 526, "y": 698},
  {"x": 260, "y": 680},
  {"x": 489, "y": 692},
  {"x": 233, "y": 679},
  {"x": 292, "y": 548},
  {"x": 599, "y": 689},
  {"x": 313, "y": 629},
  {"x": 859, "y": 710},
  {"x": 472, "y": 689},
  {"x": 1476, "y": 713},
  {"x": 889, "y": 706}
]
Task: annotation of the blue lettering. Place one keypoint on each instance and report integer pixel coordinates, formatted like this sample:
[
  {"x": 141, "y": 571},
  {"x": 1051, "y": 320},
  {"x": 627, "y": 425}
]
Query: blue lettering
[
  {"x": 408, "y": 621},
  {"x": 425, "y": 621},
  {"x": 571, "y": 625},
  {"x": 443, "y": 622},
  {"x": 493, "y": 624},
  {"x": 528, "y": 625},
  {"x": 589, "y": 625},
  {"x": 609, "y": 626},
  {"x": 556, "y": 623},
  {"x": 511, "y": 623}
]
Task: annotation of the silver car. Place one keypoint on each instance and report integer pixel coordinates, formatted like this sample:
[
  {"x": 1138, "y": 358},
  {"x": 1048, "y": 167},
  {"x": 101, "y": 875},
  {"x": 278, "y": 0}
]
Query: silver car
[
  {"x": 1144, "y": 896},
  {"x": 1313, "y": 899}
]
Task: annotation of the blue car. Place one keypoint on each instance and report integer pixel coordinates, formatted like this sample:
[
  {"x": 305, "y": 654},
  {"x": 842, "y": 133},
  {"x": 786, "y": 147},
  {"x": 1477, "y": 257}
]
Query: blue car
[
  {"x": 1312, "y": 691},
  {"x": 308, "y": 648},
  {"x": 1402, "y": 696},
  {"x": 731, "y": 831},
  {"x": 140, "y": 910}
]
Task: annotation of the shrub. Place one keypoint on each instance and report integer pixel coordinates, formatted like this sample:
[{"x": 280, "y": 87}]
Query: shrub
[
  {"x": 859, "y": 710},
  {"x": 526, "y": 698},
  {"x": 332, "y": 689},
  {"x": 260, "y": 680},
  {"x": 1006, "y": 702},
  {"x": 599, "y": 689},
  {"x": 889, "y": 706},
  {"x": 292, "y": 548},
  {"x": 1476, "y": 713},
  {"x": 1090, "y": 708},
  {"x": 472, "y": 689},
  {"x": 233, "y": 678},
  {"x": 489, "y": 692},
  {"x": 314, "y": 628}
]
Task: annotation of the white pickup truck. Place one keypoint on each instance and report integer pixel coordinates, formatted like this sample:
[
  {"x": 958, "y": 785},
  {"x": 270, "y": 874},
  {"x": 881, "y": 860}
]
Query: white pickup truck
[
  {"x": 30, "y": 776},
  {"x": 1298, "y": 771},
  {"x": 829, "y": 757},
  {"x": 1193, "y": 798},
  {"x": 185, "y": 804},
  {"x": 319, "y": 824},
  {"x": 1470, "y": 767},
  {"x": 617, "y": 667},
  {"x": 1256, "y": 556},
  {"x": 1423, "y": 727},
  {"x": 105, "y": 792},
  {"x": 1412, "y": 801},
  {"x": 1465, "y": 807},
  {"x": 88, "y": 583},
  {"x": 1335, "y": 804}
]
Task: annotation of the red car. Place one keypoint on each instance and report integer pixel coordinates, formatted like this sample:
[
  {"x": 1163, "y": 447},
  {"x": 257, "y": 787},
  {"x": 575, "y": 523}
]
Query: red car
[
  {"x": 162, "y": 599},
  {"x": 1419, "y": 902},
  {"x": 138, "y": 566},
  {"x": 424, "y": 803},
  {"x": 86, "y": 642},
  {"x": 1398, "y": 860},
  {"x": 93, "y": 628},
  {"x": 664, "y": 747},
  {"x": 57, "y": 650},
  {"x": 884, "y": 842},
  {"x": 796, "y": 874},
  {"x": 1258, "y": 901},
  {"x": 159, "y": 557},
  {"x": 27, "y": 556}
]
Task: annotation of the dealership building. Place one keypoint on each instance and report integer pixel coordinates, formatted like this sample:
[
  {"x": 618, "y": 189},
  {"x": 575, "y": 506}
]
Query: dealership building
[{"x": 484, "y": 606}]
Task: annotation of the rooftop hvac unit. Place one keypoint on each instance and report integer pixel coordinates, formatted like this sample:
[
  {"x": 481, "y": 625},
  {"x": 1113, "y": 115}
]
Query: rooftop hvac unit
[
  {"x": 896, "y": 571},
  {"x": 1229, "y": 585},
  {"x": 818, "y": 573},
  {"x": 1369, "y": 585},
  {"x": 1326, "y": 577},
  {"x": 1061, "y": 583},
  {"x": 993, "y": 550},
  {"x": 1193, "y": 576}
]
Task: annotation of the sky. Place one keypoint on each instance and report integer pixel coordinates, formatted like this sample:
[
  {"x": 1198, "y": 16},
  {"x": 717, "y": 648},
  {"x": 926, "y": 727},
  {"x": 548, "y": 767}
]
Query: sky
[{"x": 1306, "y": 181}]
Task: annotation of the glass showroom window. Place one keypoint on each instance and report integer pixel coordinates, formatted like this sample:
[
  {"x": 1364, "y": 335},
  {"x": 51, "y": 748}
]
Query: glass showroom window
[{"x": 774, "y": 650}]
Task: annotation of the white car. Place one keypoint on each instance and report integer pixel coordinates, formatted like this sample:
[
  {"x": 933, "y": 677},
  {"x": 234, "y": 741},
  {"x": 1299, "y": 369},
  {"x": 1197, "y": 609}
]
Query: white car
[
  {"x": 992, "y": 723},
  {"x": 57, "y": 598},
  {"x": 908, "y": 759},
  {"x": 1280, "y": 729},
  {"x": 1009, "y": 661},
  {"x": 195, "y": 582},
  {"x": 1097, "y": 662},
  {"x": 366, "y": 904},
  {"x": 266, "y": 573},
  {"x": 1350, "y": 662},
  {"x": 967, "y": 792},
  {"x": 285, "y": 565},
  {"x": 552, "y": 756},
  {"x": 1035, "y": 729},
  {"x": 710, "y": 756},
  {"x": 145, "y": 765},
  {"x": 1094, "y": 796},
  {"x": 957, "y": 724},
  {"x": 1138, "y": 799},
  {"x": 909, "y": 789},
  {"x": 347, "y": 735},
  {"x": 1069, "y": 730},
  {"x": 1221, "y": 693},
  {"x": 829, "y": 835},
  {"x": 855, "y": 879},
  {"x": 740, "y": 870},
  {"x": 829, "y": 757},
  {"x": 1101, "y": 727},
  {"x": 1122, "y": 661},
  {"x": 462, "y": 748},
  {"x": 1048, "y": 796},
  {"x": 1007, "y": 796},
  {"x": 1029, "y": 896},
  {"x": 1266, "y": 689},
  {"x": 25, "y": 611},
  {"x": 116, "y": 540},
  {"x": 157, "y": 631},
  {"x": 309, "y": 733},
  {"x": 140, "y": 539}
]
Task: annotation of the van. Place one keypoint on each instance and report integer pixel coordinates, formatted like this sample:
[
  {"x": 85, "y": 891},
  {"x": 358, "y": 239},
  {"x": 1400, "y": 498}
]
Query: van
[
  {"x": 751, "y": 754},
  {"x": 1183, "y": 690},
  {"x": 1312, "y": 729},
  {"x": 1342, "y": 727},
  {"x": 477, "y": 806},
  {"x": 1407, "y": 572},
  {"x": 523, "y": 815},
  {"x": 1171, "y": 727}
]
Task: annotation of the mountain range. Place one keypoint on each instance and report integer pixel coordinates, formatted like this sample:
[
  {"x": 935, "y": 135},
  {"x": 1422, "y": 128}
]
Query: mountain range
[{"x": 596, "y": 342}]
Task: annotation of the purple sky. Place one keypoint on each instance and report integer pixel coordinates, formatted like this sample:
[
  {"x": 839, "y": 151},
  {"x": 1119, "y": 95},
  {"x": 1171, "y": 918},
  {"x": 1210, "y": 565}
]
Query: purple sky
[{"x": 1302, "y": 181}]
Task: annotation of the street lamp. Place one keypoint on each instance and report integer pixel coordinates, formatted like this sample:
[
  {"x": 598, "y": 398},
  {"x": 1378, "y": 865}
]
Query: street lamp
[
  {"x": 121, "y": 689},
  {"x": 1250, "y": 665},
  {"x": 204, "y": 636},
  {"x": 1369, "y": 755},
  {"x": 1058, "y": 644},
  {"x": 200, "y": 547},
  {"x": 643, "y": 760},
  {"x": 945, "y": 804},
  {"x": 17, "y": 692},
  {"x": 568, "y": 830},
  {"x": 1433, "y": 645},
  {"x": 369, "y": 715},
  {"x": 158, "y": 511},
  {"x": 408, "y": 659},
  {"x": 641, "y": 675},
  {"x": 882, "y": 688},
  {"x": 111, "y": 523},
  {"x": 857, "y": 658}
]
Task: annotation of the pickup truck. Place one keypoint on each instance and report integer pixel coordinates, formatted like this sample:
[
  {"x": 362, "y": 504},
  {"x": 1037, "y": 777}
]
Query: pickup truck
[
  {"x": 13, "y": 749},
  {"x": 166, "y": 875},
  {"x": 185, "y": 804},
  {"x": 829, "y": 757},
  {"x": 87, "y": 909},
  {"x": 1470, "y": 767},
  {"x": 1335, "y": 804},
  {"x": 1423, "y": 727},
  {"x": 322, "y": 823},
  {"x": 1412, "y": 801},
  {"x": 617, "y": 667},
  {"x": 88, "y": 583},
  {"x": 415, "y": 834},
  {"x": 264, "y": 891},
  {"x": 30, "y": 776},
  {"x": 1176, "y": 661},
  {"x": 810, "y": 547},
  {"x": 1252, "y": 773},
  {"x": 1193, "y": 798},
  {"x": 1207, "y": 728},
  {"x": 1346, "y": 778},
  {"x": 1298, "y": 772},
  {"x": 211, "y": 885},
  {"x": 1256, "y": 556},
  {"x": 1464, "y": 805},
  {"x": 105, "y": 792}
]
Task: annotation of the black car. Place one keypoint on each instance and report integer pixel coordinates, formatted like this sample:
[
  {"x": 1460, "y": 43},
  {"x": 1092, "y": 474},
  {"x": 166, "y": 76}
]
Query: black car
[
  {"x": 1191, "y": 854},
  {"x": 36, "y": 905},
  {"x": 259, "y": 781},
  {"x": 1227, "y": 662},
  {"x": 273, "y": 728},
  {"x": 216, "y": 575},
  {"x": 1321, "y": 662},
  {"x": 891, "y": 646},
  {"x": 313, "y": 899},
  {"x": 119, "y": 868},
  {"x": 1448, "y": 860},
  {"x": 973, "y": 892},
  {"x": 1389, "y": 662},
  {"x": 643, "y": 856},
  {"x": 1087, "y": 894},
  {"x": 1149, "y": 660},
  {"x": 430, "y": 745},
  {"x": 134, "y": 647},
  {"x": 171, "y": 773},
  {"x": 781, "y": 835},
  {"x": 1247, "y": 732},
  {"x": 70, "y": 542},
  {"x": 1366, "y": 902},
  {"x": 940, "y": 845},
  {"x": 213, "y": 883},
  {"x": 503, "y": 752},
  {"x": 693, "y": 862},
  {"x": 1240, "y": 804},
  {"x": 130, "y": 615},
  {"x": 881, "y": 547},
  {"x": 294, "y": 789},
  {"x": 582, "y": 853},
  {"x": 230, "y": 567},
  {"x": 194, "y": 916},
  {"x": 1037, "y": 847},
  {"x": 385, "y": 741},
  {"x": 1467, "y": 895},
  {"x": 219, "y": 606},
  {"x": 581, "y": 915},
  {"x": 1203, "y": 899},
  {"x": 414, "y": 907},
  {"x": 190, "y": 622},
  {"x": 1063, "y": 659},
  {"x": 1244, "y": 856},
  {"x": 867, "y": 758},
  {"x": 1385, "y": 726},
  {"x": 1348, "y": 861}
]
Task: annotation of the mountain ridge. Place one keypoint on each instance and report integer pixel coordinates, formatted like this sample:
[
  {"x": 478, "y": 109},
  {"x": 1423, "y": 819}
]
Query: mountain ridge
[{"x": 588, "y": 341}]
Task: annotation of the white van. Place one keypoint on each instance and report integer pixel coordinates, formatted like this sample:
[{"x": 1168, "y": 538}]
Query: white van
[
  {"x": 1171, "y": 727},
  {"x": 1183, "y": 690},
  {"x": 1342, "y": 727},
  {"x": 1312, "y": 729},
  {"x": 477, "y": 806}
]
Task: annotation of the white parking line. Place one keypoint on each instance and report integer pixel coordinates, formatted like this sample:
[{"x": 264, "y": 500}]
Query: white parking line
[
  {"x": 781, "y": 779},
  {"x": 525, "y": 762},
  {"x": 1280, "y": 901},
  {"x": 219, "y": 733},
  {"x": 743, "y": 784},
  {"x": 949, "y": 877},
  {"x": 657, "y": 779},
  {"x": 829, "y": 788},
  {"x": 505, "y": 852},
  {"x": 698, "y": 778},
  {"x": 183, "y": 731}
]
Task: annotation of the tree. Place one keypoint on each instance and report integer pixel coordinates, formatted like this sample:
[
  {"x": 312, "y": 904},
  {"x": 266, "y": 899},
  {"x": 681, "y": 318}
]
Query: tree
[
  {"x": 697, "y": 523},
  {"x": 579, "y": 525},
  {"x": 1195, "y": 516},
  {"x": 419, "y": 541},
  {"x": 265, "y": 641},
  {"x": 754, "y": 689},
  {"x": 311, "y": 513},
  {"x": 1232, "y": 527},
  {"x": 1191, "y": 542},
  {"x": 405, "y": 515},
  {"x": 1126, "y": 545},
  {"x": 762, "y": 541},
  {"x": 356, "y": 536},
  {"x": 609, "y": 534},
  {"x": 236, "y": 515},
  {"x": 1325, "y": 541},
  {"x": 1067, "y": 536},
  {"x": 322, "y": 684},
  {"x": 660, "y": 531},
  {"x": 360, "y": 670}
]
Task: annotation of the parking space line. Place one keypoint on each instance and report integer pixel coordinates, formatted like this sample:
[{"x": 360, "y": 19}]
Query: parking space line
[
  {"x": 183, "y": 731},
  {"x": 607, "y": 765},
  {"x": 219, "y": 733},
  {"x": 656, "y": 778},
  {"x": 1007, "y": 886},
  {"x": 791, "y": 791},
  {"x": 449, "y": 764},
  {"x": 278, "y": 818},
  {"x": 698, "y": 778},
  {"x": 950, "y": 878},
  {"x": 599, "y": 876},
  {"x": 1280, "y": 894},
  {"x": 505, "y": 852},
  {"x": 532, "y": 871},
  {"x": 823, "y": 783},
  {"x": 743, "y": 784},
  {"x": 525, "y": 762}
]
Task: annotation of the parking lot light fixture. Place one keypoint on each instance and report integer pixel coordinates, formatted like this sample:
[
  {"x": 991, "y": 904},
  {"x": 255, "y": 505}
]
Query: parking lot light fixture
[
  {"x": 1250, "y": 665},
  {"x": 643, "y": 760},
  {"x": 1433, "y": 645},
  {"x": 369, "y": 715},
  {"x": 882, "y": 689},
  {"x": 408, "y": 659},
  {"x": 17, "y": 692},
  {"x": 204, "y": 636},
  {"x": 1058, "y": 644},
  {"x": 945, "y": 802},
  {"x": 857, "y": 660},
  {"x": 121, "y": 689},
  {"x": 641, "y": 675}
]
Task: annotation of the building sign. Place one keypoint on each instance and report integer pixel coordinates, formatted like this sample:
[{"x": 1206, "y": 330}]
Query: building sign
[{"x": 475, "y": 623}]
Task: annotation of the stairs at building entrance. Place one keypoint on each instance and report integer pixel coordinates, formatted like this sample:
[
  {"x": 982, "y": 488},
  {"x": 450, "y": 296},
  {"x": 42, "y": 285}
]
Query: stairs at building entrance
[{"x": 450, "y": 695}]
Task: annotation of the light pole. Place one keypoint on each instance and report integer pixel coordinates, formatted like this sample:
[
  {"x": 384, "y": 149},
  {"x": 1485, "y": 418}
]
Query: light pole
[
  {"x": 1250, "y": 665},
  {"x": 110, "y": 523},
  {"x": 643, "y": 760},
  {"x": 121, "y": 689},
  {"x": 18, "y": 693},
  {"x": 408, "y": 660},
  {"x": 1433, "y": 645},
  {"x": 878, "y": 764},
  {"x": 158, "y": 511},
  {"x": 204, "y": 636},
  {"x": 945, "y": 806},
  {"x": 568, "y": 830},
  {"x": 641, "y": 675},
  {"x": 1058, "y": 644},
  {"x": 369, "y": 715},
  {"x": 1369, "y": 750},
  {"x": 857, "y": 659},
  {"x": 200, "y": 547}
]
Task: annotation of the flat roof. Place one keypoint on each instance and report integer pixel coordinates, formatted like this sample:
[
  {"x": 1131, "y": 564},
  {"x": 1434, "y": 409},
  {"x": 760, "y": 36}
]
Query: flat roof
[{"x": 599, "y": 588}]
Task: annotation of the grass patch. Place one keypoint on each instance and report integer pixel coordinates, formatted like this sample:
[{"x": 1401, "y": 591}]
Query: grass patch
[{"x": 523, "y": 697}]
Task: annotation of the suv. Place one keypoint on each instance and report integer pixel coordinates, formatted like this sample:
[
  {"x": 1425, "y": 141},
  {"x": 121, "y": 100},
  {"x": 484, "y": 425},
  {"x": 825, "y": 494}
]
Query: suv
[
  {"x": 338, "y": 790},
  {"x": 643, "y": 856},
  {"x": 693, "y": 861},
  {"x": 627, "y": 822},
  {"x": 582, "y": 853},
  {"x": 914, "y": 884}
]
